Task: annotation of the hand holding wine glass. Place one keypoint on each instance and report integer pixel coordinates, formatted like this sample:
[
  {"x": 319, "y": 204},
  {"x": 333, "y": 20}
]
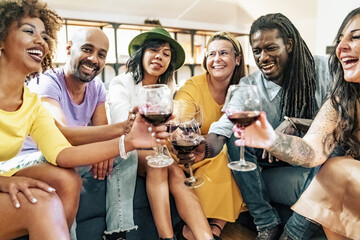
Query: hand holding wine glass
[
  {"x": 242, "y": 107},
  {"x": 156, "y": 107},
  {"x": 191, "y": 110},
  {"x": 185, "y": 139},
  {"x": 259, "y": 135},
  {"x": 140, "y": 137}
]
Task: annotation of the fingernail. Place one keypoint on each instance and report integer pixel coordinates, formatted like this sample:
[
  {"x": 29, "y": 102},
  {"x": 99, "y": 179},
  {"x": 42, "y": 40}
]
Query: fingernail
[
  {"x": 152, "y": 134},
  {"x": 95, "y": 176},
  {"x": 17, "y": 205},
  {"x": 157, "y": 140},
  {"x": 34, "y": 200},
  {"x": 150, "y": 129},
  {"x": 132, "y": 116}
]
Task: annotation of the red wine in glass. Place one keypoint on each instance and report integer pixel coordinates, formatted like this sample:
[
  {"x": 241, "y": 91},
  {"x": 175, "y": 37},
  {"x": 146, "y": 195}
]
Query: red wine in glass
[
  {"x": 184, "y": 146},
  {"x": 244, "y": 119},
  {"x": 156, "y": 118},
  {"x": 242, "y": 107},
  {"x": 156, "y": 107},
  {"x": 184, "y": 140},
  {"x": 171, "y": 127}
]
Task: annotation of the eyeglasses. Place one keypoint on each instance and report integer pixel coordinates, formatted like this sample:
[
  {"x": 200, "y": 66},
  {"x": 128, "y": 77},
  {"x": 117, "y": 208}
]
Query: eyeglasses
[{"x": 223, "y": 53}]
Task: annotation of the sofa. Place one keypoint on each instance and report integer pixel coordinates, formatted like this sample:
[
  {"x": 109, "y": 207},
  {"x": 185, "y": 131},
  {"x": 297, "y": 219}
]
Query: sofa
[
  {"x": 91, "y": 217},
  {"x": 91, "y": 221}
]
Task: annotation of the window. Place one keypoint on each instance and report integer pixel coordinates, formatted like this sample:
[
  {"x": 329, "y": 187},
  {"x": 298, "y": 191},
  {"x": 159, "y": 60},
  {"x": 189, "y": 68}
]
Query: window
[{"x": 193, "y": 42}]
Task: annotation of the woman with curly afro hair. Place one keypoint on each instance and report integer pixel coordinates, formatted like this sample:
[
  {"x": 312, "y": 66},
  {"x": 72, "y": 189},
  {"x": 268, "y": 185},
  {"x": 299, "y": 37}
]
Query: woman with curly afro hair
[{"x": 40, "y": 197}]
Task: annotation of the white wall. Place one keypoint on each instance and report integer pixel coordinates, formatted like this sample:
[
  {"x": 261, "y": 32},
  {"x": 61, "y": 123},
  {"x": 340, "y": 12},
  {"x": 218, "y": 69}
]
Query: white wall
[
  {"x": 330, "y": 15},
  {"x": 320, "y": 25},
  {"x": 316, "y": 20}
]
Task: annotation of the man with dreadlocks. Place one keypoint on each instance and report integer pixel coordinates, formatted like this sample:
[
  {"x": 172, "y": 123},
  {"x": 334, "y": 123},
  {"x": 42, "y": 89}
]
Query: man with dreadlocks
[{"x": 292, "y": 83}]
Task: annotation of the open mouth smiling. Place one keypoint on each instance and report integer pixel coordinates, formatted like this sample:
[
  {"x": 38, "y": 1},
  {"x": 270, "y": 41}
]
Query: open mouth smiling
[
  {"x": 36, "y": 54},
  {"x": 348, "y": 62},
  {"x": 88, "y": 68},
  {"x": 268, "y": 67}
]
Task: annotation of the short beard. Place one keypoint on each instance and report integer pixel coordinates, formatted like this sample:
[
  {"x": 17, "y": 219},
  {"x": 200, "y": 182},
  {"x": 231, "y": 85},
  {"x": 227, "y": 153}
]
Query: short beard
[
  {"x": 85, "y": 77},
  {"x": 82, "y": 77}
]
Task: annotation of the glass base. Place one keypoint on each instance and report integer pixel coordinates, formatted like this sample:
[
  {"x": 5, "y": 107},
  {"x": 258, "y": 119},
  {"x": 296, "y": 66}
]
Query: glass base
[
  {"x": 194, "y": 182},
  {"x": 242, "y": 166},
  {"x": 159, "y": 161}
]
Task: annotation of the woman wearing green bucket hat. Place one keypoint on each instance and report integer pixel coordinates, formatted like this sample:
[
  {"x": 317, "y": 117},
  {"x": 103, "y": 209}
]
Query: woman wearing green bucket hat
[
  {"x": 158, "y": 33},
  {"x": 154, "y": 56}
]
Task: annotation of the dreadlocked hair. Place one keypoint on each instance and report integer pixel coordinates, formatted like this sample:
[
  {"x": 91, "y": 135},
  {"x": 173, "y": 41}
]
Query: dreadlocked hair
[
  {"x": 298, "y": 81},
  {"x": 344, "y": 97},
  {"x": 135, "y": 67},
  {"x": 14, "y": 10}
]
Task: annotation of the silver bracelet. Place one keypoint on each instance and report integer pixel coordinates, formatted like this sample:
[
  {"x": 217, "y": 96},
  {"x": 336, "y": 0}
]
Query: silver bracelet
[{"x": 123, "y": 154}]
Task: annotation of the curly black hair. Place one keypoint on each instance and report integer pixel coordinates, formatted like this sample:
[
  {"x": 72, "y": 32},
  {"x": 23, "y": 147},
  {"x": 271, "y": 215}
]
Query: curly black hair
[{"x": 14, "y": 10}]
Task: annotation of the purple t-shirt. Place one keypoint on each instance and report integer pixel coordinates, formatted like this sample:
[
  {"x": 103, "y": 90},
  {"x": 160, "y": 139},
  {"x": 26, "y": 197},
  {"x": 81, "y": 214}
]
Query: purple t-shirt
[{"x": 52, "y": 85}]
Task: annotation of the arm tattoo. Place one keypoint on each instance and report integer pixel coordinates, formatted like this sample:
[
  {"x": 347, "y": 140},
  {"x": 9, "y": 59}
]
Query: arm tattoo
[
  {"x": 293, "y": 150},
  {"x": 324, "y": 126},
  {"x": 309, "y": 153},
  {"x": 329, "y": 144}
]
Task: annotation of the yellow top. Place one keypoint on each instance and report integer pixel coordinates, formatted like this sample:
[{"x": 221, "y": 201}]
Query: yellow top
[
  {"x": 219, "y": 195},
  {"x": 32, "y": 118},
  {"x": 196, "y": 90}
]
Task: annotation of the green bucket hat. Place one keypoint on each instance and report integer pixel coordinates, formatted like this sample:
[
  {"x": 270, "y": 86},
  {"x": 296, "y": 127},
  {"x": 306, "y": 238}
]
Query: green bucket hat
[{"x": 160, "y": 34}]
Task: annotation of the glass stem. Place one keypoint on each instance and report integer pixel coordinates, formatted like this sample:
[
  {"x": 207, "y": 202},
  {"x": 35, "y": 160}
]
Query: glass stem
[
  {"x": 159, "y": 150},
  {"x": 242, "y": 147},
  {"x": 192, "y": 178}
]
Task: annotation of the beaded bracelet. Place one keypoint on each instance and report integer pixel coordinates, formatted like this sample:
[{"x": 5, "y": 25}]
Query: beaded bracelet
[{"x": 123, "y": 154}]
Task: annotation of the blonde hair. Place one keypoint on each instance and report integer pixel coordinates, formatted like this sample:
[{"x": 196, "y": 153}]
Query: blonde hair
[{"x": 239, "y": 70}]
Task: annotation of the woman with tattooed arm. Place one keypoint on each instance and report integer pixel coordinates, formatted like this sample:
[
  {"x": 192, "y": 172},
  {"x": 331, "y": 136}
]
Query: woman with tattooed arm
[{"x": 332, "y": 198}]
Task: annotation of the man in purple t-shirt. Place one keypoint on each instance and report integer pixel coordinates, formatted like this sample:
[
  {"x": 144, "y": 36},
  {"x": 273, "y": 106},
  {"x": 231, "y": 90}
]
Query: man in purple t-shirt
[{"x": 76, "y": 99}]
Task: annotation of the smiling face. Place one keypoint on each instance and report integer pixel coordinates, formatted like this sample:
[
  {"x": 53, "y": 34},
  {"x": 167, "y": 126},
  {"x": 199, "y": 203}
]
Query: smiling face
[
  {"x": 348, "y": 50},
  {"x": 156, "y": 61},
  {"x": 25, "y": 45},
  {"x": 221, "y": 60},
  {"x": 87, "y": 53},
  {"x": 271, "y": 53}
]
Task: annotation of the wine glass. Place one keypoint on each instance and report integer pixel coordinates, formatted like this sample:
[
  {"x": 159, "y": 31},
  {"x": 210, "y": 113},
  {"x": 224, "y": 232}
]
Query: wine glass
[
  {"x": 173, "y": 123},
  {"x": 156, "y": 107},
  {"x": 184, "y": 139},
  {"x": 242, "y": 107},
  {"x": 192, "y": 110}
]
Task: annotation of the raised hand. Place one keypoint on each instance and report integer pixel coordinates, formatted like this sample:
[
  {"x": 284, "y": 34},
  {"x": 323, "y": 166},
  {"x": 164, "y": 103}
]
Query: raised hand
[
  {"x": 259, "y": 134},
  {"x": 130, "y": 121},
  {"x": 145, "y": 135},
  {"x": 197, "y": 155}
]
